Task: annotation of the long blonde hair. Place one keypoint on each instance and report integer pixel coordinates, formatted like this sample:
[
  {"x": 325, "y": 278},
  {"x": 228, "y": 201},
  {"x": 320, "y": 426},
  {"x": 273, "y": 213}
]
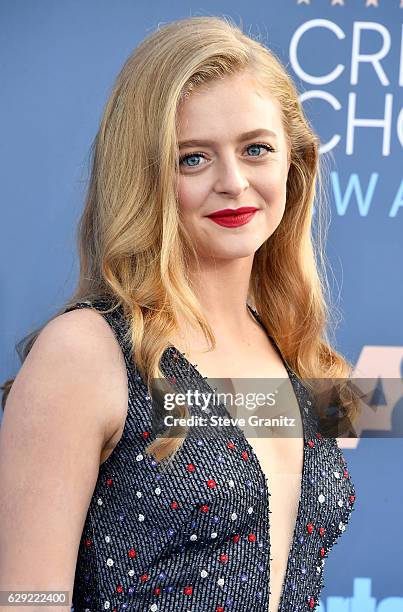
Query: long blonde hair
[{"x": 132, "y": 245}]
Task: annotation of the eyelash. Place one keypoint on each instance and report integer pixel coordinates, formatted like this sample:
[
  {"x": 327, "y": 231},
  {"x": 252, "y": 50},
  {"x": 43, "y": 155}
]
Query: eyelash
[{"x": 254, "y": 144}]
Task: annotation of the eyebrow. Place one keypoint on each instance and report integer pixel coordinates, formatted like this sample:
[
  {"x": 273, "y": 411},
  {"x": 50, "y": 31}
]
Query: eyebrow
[{"x": 241, "y": 138}]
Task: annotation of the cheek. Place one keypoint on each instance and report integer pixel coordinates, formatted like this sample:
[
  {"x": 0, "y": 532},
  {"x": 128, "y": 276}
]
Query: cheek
[
  {"x": 191, "y": 195},
  {"x": 273, "y": 189}
]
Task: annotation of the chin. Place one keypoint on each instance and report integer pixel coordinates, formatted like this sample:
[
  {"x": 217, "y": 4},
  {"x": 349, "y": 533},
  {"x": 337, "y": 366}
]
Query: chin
[{"x": 231, "y": 253}]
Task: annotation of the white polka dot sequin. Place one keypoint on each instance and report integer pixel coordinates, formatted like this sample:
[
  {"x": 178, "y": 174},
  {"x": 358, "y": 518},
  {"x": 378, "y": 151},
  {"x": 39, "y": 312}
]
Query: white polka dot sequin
[
  {"x": 107, "y": 539},
  {"x": 99, "y": 501},
  {"x": 141, "y": 518},
  {"x": 203, "y": 573},
  {"x": 220, "y": 582},
  {"x": 336, "y": 474},
  {"x": 154, "y": 607},
  {"x": 193, "y": 537},
  {"x": 213, "y": 535},
  {"x": 109, "y": 562},
  {"x": 131, "y": 572},
  {"x": 321, "y": 498},
  {"x": 234, "y": 516},
  {"x": 250, "y": 510},
  {"x": 342, "y": 526},
  {"x": 231, "y": 483},
  {"x": 139, "y": 494},
  {"x": 340, "y": 503},
  {"x": 139, "y": 457},
  {"x": 158, "y": 491},
  {"x": 107, "y": 605}
]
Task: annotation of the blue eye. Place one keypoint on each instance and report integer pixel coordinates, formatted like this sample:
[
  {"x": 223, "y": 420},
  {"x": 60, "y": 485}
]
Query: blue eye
[
  {"x": 197, "y": 154},
  {"x": 190, "y": 156},
  {"x": 259, "y": 146}
]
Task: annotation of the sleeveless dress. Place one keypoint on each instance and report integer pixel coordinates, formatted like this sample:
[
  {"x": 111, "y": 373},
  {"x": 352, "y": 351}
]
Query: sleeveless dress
[{"x": 194, "y": 536}]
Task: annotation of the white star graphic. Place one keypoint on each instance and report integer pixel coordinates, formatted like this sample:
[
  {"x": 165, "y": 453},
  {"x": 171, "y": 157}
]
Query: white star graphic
[
  {"x": 372, "y": 3},
  {"x": 339, "y": 2}
]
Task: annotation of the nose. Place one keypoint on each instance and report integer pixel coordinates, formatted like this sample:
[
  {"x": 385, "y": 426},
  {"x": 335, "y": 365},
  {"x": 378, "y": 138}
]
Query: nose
[{"x": 231, "y": 178}]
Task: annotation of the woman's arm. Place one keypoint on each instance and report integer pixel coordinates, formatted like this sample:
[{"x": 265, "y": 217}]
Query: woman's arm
[{"x": 67, "y": 400}]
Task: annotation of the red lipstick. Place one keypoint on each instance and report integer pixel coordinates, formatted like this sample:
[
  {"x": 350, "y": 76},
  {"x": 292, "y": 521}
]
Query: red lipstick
[{"x": 230, "y": 217}]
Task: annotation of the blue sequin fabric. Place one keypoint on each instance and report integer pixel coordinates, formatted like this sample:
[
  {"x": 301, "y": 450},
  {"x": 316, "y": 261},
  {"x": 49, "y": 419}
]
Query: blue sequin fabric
[{"x": 195, "y": 536}]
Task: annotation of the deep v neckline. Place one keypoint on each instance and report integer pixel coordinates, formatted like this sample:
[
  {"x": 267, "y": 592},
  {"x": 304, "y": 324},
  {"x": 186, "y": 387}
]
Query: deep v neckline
[{"x": 295, "y": 385}]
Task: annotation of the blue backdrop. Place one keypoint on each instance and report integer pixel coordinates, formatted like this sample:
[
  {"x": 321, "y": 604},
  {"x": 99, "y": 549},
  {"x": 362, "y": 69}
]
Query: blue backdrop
[{"x": 58, "y": 62}]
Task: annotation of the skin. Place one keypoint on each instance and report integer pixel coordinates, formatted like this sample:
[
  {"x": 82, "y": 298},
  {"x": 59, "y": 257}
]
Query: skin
[{"x": 230, "y": 174}]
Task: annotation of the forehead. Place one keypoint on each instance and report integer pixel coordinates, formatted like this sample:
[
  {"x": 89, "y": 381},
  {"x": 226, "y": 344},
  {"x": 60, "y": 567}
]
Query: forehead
[{"x": 230, "y": 106}]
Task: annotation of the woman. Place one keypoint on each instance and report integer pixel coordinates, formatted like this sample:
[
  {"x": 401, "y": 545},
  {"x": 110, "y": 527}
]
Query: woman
[{"x": 197, "y": 228}]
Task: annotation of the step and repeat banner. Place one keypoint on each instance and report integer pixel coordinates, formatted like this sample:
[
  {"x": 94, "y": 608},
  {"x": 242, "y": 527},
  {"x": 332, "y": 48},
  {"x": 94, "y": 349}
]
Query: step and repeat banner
[{"x": 58, "y": 63}]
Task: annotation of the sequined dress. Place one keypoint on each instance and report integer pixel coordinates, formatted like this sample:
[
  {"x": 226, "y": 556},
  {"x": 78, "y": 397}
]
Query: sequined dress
[{"x": 195, "y": 537}]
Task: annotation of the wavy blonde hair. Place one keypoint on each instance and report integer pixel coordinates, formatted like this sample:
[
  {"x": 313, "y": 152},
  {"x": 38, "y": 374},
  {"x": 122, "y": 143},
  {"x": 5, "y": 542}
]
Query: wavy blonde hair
[{"x": 132, "y": 245}]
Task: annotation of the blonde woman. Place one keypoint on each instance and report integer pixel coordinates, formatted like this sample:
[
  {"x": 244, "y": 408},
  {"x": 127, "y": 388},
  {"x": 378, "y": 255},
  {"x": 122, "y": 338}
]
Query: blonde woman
[{"x": 197, "y": 262}]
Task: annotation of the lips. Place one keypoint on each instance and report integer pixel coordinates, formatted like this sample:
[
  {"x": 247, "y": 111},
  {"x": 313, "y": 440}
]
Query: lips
[{"x": 233, "y": 218}]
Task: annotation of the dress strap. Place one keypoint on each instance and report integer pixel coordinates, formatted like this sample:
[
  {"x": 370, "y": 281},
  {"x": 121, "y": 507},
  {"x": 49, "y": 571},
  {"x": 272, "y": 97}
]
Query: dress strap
[{"x": 259, "y": 320}]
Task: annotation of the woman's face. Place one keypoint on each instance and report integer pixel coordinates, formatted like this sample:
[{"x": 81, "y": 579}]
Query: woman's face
[{"x": 227, "y": 168}]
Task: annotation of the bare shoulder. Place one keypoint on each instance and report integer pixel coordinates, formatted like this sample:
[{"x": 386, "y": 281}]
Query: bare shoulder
[
  {"x": 88, "y": 331},
  {"x": 80, "y": 346}
]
